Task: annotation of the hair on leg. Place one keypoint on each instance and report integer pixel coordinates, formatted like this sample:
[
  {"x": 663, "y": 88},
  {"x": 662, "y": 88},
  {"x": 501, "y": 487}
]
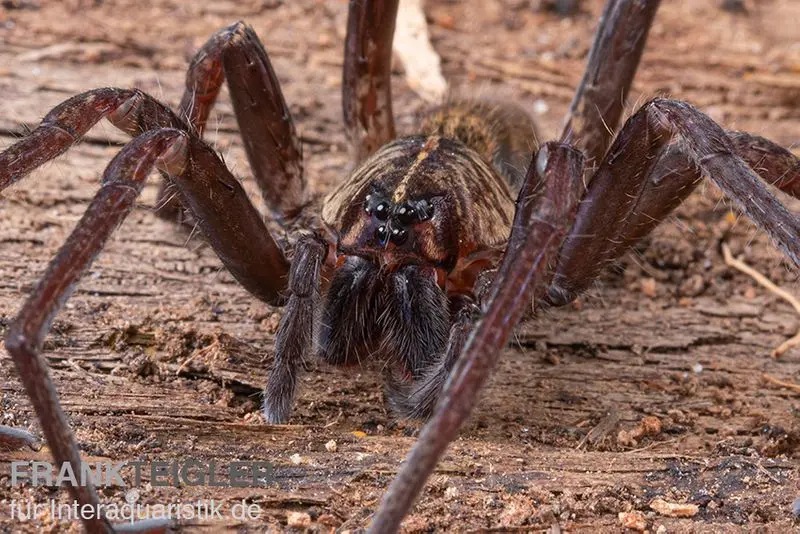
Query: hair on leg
[
  {"x": 296, "y": 329},
  {"x": 414, "y": 319},
  {"x": 417, "y": 399},
  {"x": 546, "y": 206},
  {"x": 122, "y": 181},
  {"x": 348, "y": 327},
  {"x": 235, "y": 54},
  {"x": 131, "y": 111},
  {"x": 613, "y": 59},
  {"x": 655, "y": 162}
]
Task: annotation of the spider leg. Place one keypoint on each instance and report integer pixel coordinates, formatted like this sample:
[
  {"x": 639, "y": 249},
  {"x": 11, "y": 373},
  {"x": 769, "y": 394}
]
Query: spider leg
[
  {"x": 121, "y": 182},
  {"x": 232, "y": 225},
  {"x": 600, "y": 97},
  {"x": 772, "y": 162},
  {"x": 676, "y": 175},
  {"x": 13, "y": 438},
  {"x": 414, "y": 319},
  {"x": 131, "y": 110},
  {"x": 348, "y": 315},
  {"x": 296, "y": 328},
  {"x": 273, "y": 149},
  {"x": 407, "y": 313},
  {"x": 545, "y": 208},
  {"x": 418, "y": 399},
  {"x": 366, "y": 82},
  {"x": 655, "y": 162}
]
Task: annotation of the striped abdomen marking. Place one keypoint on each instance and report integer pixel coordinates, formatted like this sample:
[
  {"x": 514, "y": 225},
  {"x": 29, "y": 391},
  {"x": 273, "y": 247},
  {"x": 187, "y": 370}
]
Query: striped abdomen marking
[{"x": 504, "y": 134}]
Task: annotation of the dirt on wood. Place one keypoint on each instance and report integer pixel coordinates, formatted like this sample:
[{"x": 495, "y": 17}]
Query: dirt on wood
[{"x": 650, "y": 403}]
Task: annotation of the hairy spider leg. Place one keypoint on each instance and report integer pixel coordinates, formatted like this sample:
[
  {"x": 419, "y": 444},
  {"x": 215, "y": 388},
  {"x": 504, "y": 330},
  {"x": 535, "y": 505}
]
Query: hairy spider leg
[
  {"x": 121, "y": 184},
  {"x": 366, "y": 82},
  {"x": 130, "y": 110},
  {"x": 369, "y": 124},
  {"x": 776, "y": 165},
  {"x": 236, "y": 55},
  {"x": 296, "y": 329},
  {"x": 232, "y": 225},
  {"x": 676, "y": 175},
  {"x": 671, "y": 178},
  {"x": 417, "y": 399},
  {"x": 655, "y": 161},
  {"x": 239, "y": 236},
  {"x": 545, "y": 208},
  {"x": 600, "y": 97}
]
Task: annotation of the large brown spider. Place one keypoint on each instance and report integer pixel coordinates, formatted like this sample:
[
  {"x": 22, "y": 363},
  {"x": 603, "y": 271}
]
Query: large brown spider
[{"x": 419, "y": 238}]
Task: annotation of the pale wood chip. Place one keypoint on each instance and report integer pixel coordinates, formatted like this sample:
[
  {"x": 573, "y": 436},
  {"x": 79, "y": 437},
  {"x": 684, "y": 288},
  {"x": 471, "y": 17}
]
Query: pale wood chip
[
  {"x": 673, "y": 509},
  {"x": 413, "y": 47}
]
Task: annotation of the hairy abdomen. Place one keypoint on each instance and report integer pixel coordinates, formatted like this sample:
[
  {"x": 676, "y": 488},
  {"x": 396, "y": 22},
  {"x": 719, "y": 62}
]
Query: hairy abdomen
[{"x": 503, "y": 134}]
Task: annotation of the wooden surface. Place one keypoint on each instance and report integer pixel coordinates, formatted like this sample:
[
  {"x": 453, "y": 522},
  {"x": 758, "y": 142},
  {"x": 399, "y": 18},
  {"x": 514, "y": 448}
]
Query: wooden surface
[{"x": 160, "y": 355}]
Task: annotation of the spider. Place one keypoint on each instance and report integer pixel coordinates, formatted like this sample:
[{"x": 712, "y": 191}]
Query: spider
[{"x": 429, "y": 232}]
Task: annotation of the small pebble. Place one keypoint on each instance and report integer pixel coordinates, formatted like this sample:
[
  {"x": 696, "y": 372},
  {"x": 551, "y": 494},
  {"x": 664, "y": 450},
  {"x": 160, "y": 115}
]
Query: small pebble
[
  {"x": 298, "y": 519},
  {"x": 632, "y": 520},
  {"x": 331, "y": 446},
  {"x": 673, "y": 509},
  {"x": 649, "y": 287}
]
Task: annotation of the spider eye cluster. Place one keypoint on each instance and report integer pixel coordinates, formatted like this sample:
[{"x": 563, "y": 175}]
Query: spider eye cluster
[{"x": 396, "y": 218}]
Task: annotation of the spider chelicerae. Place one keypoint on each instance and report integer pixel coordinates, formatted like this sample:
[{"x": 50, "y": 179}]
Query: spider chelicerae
[{"x": 428, "y": 232}]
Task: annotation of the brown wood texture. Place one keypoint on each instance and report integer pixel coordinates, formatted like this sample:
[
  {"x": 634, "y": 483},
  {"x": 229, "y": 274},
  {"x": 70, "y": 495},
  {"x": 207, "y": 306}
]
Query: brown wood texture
[{"x": 160, "y": 355}]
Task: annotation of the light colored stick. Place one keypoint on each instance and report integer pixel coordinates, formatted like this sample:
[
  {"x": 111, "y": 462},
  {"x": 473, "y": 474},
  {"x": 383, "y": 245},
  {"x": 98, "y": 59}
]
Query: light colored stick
[
  {"x": 764, "y": 281},
  {"x": 413, "y": 47}
]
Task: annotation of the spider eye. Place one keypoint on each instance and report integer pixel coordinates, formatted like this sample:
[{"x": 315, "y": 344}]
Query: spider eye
[
  {"x": 399, "y": 236},
  {"x": 382, "y": 211},
  {"x": 382, "y": 233},
  {"x": 406, "y": 214}
]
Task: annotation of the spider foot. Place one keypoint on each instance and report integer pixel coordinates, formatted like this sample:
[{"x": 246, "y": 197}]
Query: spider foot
[{"x": 12, "y": 439}]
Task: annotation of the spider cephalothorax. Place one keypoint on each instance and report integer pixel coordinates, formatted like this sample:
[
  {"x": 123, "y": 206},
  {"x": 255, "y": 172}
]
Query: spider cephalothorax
[
  {"x": 409, "y": 230},
  {"x": 420, "y": 237}
]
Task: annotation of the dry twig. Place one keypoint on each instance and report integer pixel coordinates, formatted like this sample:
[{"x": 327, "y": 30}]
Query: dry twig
[
  {"x": 764, "y": 281},
  {"x": 413, "y": 46},
  {"x": 778, "y": 382}
]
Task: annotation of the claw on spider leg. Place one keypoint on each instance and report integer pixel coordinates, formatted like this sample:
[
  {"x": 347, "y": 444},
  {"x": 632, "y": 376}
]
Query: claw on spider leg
[{"x": 545, "y": 209}]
